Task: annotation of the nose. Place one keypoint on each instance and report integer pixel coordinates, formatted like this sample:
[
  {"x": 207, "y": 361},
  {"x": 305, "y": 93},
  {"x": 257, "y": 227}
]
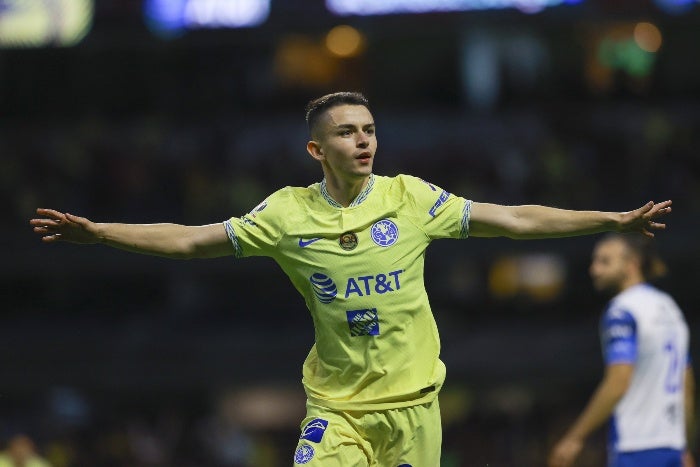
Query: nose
[{"x": 362, "y": 140}]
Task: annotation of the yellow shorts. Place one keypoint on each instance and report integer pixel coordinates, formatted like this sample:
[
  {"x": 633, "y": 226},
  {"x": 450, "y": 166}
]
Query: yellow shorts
[{"x": 404, "y": 437}]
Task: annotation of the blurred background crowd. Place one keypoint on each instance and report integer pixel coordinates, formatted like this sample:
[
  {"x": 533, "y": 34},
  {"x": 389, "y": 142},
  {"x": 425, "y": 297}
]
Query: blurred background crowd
[{"x": 191, "y": 111}]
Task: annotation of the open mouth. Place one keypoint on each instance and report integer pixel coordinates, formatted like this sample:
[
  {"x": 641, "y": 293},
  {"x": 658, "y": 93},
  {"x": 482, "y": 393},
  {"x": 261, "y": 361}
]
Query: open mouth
[{"x": 364, "y": 156}]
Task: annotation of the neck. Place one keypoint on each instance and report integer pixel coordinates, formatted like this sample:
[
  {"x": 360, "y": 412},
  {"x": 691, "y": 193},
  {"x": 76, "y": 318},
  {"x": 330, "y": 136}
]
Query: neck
[
  {"x": 344, "y": 191},
  {"x": 631, "y": 282}
]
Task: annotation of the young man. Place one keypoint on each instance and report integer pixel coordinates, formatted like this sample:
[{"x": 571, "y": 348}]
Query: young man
[
  {"x": 353, "y": 245},
  {"x": 648, "y": 384}
]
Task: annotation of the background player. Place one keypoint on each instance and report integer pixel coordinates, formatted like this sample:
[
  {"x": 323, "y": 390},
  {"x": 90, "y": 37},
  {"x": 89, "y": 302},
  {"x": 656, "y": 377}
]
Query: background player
[
  {"x": 353, "y": 245},
  {"x": 648, "y": 384}
]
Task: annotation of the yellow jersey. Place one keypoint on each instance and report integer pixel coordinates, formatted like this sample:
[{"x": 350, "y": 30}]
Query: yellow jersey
[{"x": 360, "y": 271}]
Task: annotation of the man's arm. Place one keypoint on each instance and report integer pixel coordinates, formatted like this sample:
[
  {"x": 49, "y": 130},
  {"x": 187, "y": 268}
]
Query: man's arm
[
  {"x": 531, "y": 221},
  {"x": 168, "y": 240},
  {"x": 599, "y": 409}
]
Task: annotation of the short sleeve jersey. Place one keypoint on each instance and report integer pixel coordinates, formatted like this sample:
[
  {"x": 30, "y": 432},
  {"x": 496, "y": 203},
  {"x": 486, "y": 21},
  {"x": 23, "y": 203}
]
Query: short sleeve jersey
[
  {"x": 360, "y": 271},
  {"x": 644, "y": 327}
]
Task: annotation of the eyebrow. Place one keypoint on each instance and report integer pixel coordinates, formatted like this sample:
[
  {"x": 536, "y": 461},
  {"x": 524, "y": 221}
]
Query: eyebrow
[{"x": 350, "y": 125}]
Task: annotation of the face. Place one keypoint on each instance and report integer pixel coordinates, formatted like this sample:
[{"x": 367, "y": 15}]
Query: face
[
  {"x": 345, "y": 141},
  {"x": 610, "y": 267}
]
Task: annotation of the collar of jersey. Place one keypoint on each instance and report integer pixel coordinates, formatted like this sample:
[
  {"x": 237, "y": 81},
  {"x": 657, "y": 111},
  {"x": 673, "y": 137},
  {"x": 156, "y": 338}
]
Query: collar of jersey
[{"x": 360, "y": 198}]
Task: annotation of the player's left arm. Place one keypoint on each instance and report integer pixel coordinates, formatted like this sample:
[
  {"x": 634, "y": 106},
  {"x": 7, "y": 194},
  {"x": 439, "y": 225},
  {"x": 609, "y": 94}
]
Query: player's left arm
[
  {"x": 533, "y": 221},
  {"x": 599, "y": 409}
]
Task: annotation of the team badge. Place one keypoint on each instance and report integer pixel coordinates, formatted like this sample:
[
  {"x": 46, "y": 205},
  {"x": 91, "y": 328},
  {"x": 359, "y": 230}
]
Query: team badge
[
  {"x": 314, "y": 430},
  {"x": 348, "y": 241},
  {"x": 303, "y": 454},
  {"x": 384, "y": 233}
]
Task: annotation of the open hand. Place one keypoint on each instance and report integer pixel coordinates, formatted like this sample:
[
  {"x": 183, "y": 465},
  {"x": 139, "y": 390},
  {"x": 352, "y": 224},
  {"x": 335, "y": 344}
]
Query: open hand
[
  {"x": 643, "y": 220},
  {"x": 58, "y": 226}
]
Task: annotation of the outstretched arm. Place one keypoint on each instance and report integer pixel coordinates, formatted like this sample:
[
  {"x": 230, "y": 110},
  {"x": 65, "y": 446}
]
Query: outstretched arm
[
  {"x": 599, "y": 409},
  {"x": 531, "y": 221},
  {"x": 168, "y": 240}
]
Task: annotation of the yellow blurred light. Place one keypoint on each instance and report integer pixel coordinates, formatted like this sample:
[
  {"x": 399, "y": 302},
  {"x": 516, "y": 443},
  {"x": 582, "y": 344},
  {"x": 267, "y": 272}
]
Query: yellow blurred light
[
  {"x": 648, "y": 37},
  {"x": 344, "y": 41},
  {"x": 301, "y": 61},
  {"x": 503, "y": 278},
  {"x": 37, "y": 23}
]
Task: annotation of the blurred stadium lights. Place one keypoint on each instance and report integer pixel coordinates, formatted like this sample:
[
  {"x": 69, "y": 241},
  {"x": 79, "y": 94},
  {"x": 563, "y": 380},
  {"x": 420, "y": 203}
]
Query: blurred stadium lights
[
  {"x": 622, "y": 55},
  {"x": 301, "y": 61},
  {"x": 648, "y": 37},
  {"x": 172, "y": 17},
  {"x": 345, "y": 41},
  {"x": 38, "y": 23},
  {"x": 541, "y": 277},
  {"x": 385, "y": 7},
  {"x": 675, "y": 7},
  {"x": 620, "y": 49}
]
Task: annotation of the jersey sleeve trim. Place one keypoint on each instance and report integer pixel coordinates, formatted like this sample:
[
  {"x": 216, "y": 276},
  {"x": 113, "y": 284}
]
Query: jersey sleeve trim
[
  {"x": 466, "y": 216},
  {"x": 238, "y": 251},
  {"x": 619, "y": 337}
]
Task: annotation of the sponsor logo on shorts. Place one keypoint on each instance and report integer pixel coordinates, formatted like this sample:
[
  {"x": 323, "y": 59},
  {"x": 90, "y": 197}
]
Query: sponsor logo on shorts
[
  {"x": 314, "y": 430},
  {"x": 384, "y": 233},
  {"x": 304, "y": 454},
  {"x": 323, "y": 286}
]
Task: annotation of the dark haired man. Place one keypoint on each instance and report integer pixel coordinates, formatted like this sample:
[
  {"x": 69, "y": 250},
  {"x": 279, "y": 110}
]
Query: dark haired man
[
  {"x": 648, "y": 384},
  {"x": 353, "y": 245}
]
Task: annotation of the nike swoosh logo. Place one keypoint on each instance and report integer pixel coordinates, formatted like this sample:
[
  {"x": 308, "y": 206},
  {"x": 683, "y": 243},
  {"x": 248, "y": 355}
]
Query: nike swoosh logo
[{"x": 303, "y": 243}]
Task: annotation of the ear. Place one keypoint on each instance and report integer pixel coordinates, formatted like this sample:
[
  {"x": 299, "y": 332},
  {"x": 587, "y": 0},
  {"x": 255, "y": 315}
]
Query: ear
[{"x": 315, "y": 150}]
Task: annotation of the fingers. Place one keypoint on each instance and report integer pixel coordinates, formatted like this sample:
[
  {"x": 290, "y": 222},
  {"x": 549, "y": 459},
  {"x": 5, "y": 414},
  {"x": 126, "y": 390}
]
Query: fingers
[
  {"x": 44, "y": 223},
  {"x": 48, "y": 235},
  {"x": 659, "y": 209},
  {"x": 50, "y": 213},
  {"x": 53, "y": 218},
  {"x": 646, "y": 208},
  {"x": 48, "y": 226},
  {"x": 51, "y": 238}
]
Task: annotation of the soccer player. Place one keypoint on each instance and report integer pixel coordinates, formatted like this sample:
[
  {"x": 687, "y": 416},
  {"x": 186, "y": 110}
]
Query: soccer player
[
  {"x": 648, "y": 384},
  {"x": 353, "y": 245}
]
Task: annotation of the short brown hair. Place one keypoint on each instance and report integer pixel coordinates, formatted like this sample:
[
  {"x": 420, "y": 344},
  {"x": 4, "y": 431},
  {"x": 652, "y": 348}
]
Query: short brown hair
[{"x": 316, "y": 107}]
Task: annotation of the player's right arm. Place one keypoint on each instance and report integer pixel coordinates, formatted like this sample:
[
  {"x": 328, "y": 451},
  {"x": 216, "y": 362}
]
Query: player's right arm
[{"x": 167, "y": 240}]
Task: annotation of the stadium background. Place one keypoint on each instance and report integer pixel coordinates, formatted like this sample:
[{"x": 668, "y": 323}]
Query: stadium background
[{"x": 112, "y": 359}]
